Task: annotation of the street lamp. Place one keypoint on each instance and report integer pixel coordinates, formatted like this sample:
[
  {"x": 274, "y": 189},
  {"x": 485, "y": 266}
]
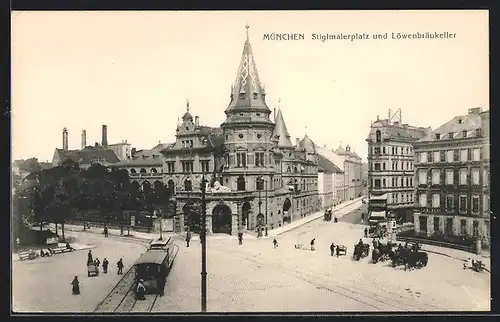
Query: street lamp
[
  {"x": 259, "y": 188},
  {"x": 203, "y": 238},
  {"x": 265, "y": 187}
]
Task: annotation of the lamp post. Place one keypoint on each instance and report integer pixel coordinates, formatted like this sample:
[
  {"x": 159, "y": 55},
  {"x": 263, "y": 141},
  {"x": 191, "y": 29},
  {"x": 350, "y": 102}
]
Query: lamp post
[
  {"x": 203, "y": 238},
  {"x": 259, "y": 187},
  {"x": 265, "y": 187}
]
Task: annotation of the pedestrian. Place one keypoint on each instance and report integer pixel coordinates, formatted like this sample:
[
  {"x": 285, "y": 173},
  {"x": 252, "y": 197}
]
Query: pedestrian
[
  {"x": 105, "y": 264},
  {"x": 68, "y": 246},
  {"x": 275, "y": 243},
  {"x": 240, "y": 238},
  {"x": 312, "y": 244},
  {"x": 188, "y": 238},
  {"x": 140, "y": 290},
  {"x": 362, "y": 216},
  {"x": 105, "y": 231},
  {"x": 332, "y": 249},
  {"x": 89, "y": 258},
  {"x": 366, "y": 232},
  {"x": 76, "y": 286},
  {"x": 120, "y": 266},
  {"x": 97, "y": 262},
  {"x": 337, "y": 250}
]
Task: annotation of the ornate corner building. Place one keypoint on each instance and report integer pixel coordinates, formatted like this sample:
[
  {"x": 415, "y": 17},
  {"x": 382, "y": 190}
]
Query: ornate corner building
[{"x": 257, "y": 177}]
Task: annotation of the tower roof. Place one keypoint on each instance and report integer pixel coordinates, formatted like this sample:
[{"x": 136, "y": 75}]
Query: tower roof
[
  {"x": 281, "y": 130},
  {"x": 187, "y": 116},
  {"x": 247, "y": 92},
  {"x": 308, "y": 144}
]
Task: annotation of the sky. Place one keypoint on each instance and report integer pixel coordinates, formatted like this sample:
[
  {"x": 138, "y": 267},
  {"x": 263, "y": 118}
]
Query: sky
[{"x": 134, "y": 71}]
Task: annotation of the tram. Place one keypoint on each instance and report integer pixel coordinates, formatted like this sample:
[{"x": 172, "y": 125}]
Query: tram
[{"x": 155, "y": 264}]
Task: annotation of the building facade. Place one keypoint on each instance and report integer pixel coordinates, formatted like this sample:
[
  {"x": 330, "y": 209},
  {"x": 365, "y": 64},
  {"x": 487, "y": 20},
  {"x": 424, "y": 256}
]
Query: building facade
[
  {"x": 257, "y": 178},
  {"x": 391, "y": 168},
  {"x": 452, "y": 172}
]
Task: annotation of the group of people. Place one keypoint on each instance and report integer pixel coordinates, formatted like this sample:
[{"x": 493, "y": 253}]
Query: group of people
[{"x": 97, "y": 263}]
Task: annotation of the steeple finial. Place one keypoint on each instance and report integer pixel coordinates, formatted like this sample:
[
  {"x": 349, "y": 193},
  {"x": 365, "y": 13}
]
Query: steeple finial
[
  {"x": 187, "y": 104},
  {"x": 247, "y": 26},
  {"x": 306, "y": 130}
]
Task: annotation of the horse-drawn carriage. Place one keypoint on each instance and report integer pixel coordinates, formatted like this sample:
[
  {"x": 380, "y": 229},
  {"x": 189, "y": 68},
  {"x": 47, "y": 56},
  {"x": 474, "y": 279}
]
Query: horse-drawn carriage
[
  {"x": 377, "y": 230},
  {"x": 381, "y": 252},
  {"x": 361, "y": 251},
  {"x": 410, "y": 258},
  {"x": 341, "y": 250},
  {"x": 92, "y": 269}
]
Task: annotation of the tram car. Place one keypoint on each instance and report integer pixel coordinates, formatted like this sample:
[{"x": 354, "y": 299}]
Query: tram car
[{"x": 155, "y": 264}]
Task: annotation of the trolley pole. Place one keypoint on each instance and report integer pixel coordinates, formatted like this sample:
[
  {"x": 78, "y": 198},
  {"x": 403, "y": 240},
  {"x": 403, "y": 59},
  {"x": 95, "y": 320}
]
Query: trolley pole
[{"x": 203, "y": 238}]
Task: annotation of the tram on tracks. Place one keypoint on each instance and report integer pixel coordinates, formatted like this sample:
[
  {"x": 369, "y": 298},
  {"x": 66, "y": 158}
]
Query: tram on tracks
[{"x": 155, "y": 264}]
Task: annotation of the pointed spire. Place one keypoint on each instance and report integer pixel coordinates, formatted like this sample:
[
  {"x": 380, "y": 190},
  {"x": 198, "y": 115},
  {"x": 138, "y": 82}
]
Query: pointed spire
[
  {"x": 187, "y": 104},
  {"x": 187, "y": 116},
  {"x": 281, "y": 130},
  {"x": 247, "y": 91}
]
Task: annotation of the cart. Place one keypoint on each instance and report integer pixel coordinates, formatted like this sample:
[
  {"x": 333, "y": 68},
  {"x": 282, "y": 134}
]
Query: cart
[
  {"x": 92, "y": 270},
  {"x": 342, "y": 249}
]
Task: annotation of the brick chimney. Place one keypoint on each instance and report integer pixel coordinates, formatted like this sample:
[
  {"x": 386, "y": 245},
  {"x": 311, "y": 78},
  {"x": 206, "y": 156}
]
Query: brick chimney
[
  {"x": 104, "y": 141},
  {"x": 84, "y": 139},
  {"x": 65, "y": 139},
  {"x": 297, "y": 141},
  {"x": 196, "y": 121},
  {"x": 475, "y": 110}
]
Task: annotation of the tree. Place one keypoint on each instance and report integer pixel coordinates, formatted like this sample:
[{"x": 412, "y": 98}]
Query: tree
[{"x": 30, "y": 165}]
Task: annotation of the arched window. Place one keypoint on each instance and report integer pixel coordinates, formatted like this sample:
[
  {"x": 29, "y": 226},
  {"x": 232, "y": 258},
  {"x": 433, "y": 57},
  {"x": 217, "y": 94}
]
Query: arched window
[
  {"x": 378, "y": 136},
  {"x": 153, "y": 170},
  {"x": 240, "y": 183},
  {"x": 188, "y": 185},
  {"x": 171, "y": 186},
  {"x": 143, "y": 170},
  {"x": 132, "y": 171}
]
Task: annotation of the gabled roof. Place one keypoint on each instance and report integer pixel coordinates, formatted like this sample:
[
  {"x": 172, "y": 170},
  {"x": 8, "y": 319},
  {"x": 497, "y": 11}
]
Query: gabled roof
[
  {"x": 281, "y": 130},
  {"x": 327, "y": 165},
  {"x": 86, "y": 155},
  {"x": 308, "y": 144},
  {"x": 341, "y": 151},
  {"x": 213, "y": 135}
]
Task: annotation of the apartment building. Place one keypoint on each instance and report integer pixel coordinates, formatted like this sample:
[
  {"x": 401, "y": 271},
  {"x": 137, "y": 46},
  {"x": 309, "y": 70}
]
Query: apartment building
[{"x": 452, "y": 172}]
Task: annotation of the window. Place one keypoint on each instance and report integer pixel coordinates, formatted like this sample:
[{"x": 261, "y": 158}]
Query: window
[
  {"x": 476, "y": 155},
  {"x": 377, "y": 166},
  {"x": 463, "y": 156},
  {"x": 241, "y": 159},
  {"x": 187, "y": 166},
  {"x": 259, "y": 183},
  {"x": 240, "y": 136},
  {"x": 422, "y": 177},
  {"x": 450, "y": 135},
  {"x": 463, "y": 177},
  {"x": 423, "y": 157},
  {"x": 463, "y": 204},
  {"x": 378, "y": 136},
  {"x": 435, "y": 177},
  {"x": 479, "y": 132},
  {"x": 383, "y": 150},
  {"x": 383, "y": 183},
  {"x": 449, "y": 176},
  {"x": 170, "y": 167},
  {"x": 393, "y": 182},
  {"x": 464, "y": 134},
  {"x": 438, "y": 136},
  {"x": 486, "y": 179},
  {"x": 226, "y": 160},
  {"x": 435, "y": 201},
  {"x": 436, "y": 224},
  {"x": 449, "y": 226},
  {"x": 377, "y": 183},
  {"x": 240, "y": 183},
  {"x": 449, "y": 156},
  {"x": 423, "y": 223},
  {"x": 376, "y": 150},
  {"x": 205, "y": 166},
  {"x": 188, "y": 185},
  {"x": 259, "y": 159},
  {"x": 383, "y": 166},
  {"x": 486, "y": 203},
  {"x": 475, "y": 228},
  {"x": 463, "y": 227},
  {"x": 436, "y": 156},
  {"x": 449, "y": 203},
  {"x": 422, "y": 200},
  {"x": 475, "y": 177},
  {"x": 475, "y": 204},
  {"x": 191, "y": 143},
  {"x": 411, "y": 182}
]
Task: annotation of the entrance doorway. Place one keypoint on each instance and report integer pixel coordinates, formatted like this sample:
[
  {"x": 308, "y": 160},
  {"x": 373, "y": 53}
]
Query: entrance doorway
[
  {"x": 221, "y": 219},
  {"x": 245, "y": 213},
  {"x": 192, "y": 219},
  {"x": 286, "y": 211}
]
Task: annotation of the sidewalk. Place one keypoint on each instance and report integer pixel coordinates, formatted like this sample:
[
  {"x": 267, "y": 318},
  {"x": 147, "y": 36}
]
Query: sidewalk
[
  {"x": 455, "y": 253},
  {"x": 302, "y": 221}
]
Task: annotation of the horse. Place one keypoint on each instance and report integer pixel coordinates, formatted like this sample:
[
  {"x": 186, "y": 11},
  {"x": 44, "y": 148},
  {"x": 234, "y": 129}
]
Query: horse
[
  {"x": 400, "y": 257},
  {"x": 416, "y": 260},
  {"x": 385, "y": 251},
  {"x": 375, "y": 255}
]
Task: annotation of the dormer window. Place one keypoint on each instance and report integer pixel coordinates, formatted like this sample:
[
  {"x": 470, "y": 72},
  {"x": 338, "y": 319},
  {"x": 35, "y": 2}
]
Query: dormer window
[
  {"x": 255, "y": 95},
  {"x": 242, "y": 95},
  {"x": 479, "y": 132},
  {"x": 450, "y": 135},
  {"x": 460, "y": 121},
  {"x": 464, "y": 134},
  {"x": 258, "y": 114},
  {"x": 438, "y": 136},
  {"x": 259, "y": 136}
]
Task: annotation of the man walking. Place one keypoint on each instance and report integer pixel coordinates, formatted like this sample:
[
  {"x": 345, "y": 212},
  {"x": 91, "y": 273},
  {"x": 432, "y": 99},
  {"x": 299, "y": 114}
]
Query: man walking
[
  {"x": 312, "y": 244},
  {"x": 90, "y": 260},
  {"x": 366, "y": 232},
  {"x": 332, "y": 249},
  {"x": 105, "y": 231},
  {"x": 188, "y": 238},
  {"x": 105, "y": 264},
  {"x": 275, "y": 243},
  {"x": 240, "y": 238},
  {"x": 120, "y": 266}
]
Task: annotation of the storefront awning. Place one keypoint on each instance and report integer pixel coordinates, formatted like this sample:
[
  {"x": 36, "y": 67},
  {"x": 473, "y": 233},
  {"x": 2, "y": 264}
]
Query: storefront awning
[
  {"x": 377, "y": 214},
  {"x": 381, "y": 197}
]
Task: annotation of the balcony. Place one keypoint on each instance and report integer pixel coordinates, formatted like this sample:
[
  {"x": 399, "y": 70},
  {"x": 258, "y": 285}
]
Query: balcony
[{"x": 149, "y": 175}]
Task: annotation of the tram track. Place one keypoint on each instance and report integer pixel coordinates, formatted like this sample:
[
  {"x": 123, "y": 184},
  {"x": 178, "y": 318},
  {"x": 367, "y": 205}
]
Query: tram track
[{"x": 376, "y": 300}]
